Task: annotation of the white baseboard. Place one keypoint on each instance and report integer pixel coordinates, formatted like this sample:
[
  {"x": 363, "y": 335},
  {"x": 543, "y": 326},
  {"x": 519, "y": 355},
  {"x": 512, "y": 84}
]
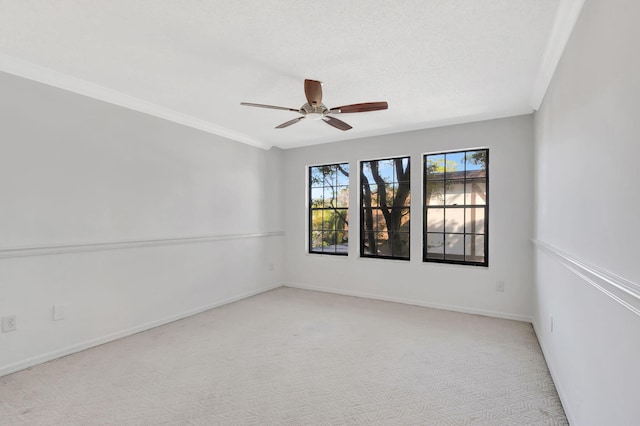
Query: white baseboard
[
  {"x": 39, "y": 359},
  {"x": 554, "y": 376},
  {"x": 58, "y": 353},
  {"x": 463, "y": 309}
]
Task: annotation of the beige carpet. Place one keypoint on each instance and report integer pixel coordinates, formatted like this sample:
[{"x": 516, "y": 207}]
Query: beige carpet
[{"x": 298, "y": 357}]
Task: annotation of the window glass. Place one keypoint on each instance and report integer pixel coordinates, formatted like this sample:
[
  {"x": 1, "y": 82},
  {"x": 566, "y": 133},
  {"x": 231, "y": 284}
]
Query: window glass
[
  {"x": 385, "y": 189},
  {"x": 329, "y": 209},
  {"x": 456, "y": 202}
]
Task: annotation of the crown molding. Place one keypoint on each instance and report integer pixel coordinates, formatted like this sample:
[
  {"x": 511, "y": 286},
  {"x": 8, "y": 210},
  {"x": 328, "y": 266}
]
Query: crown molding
[
  {"x": 30, "y": 71},
  {"x": 566, "y": 18}
]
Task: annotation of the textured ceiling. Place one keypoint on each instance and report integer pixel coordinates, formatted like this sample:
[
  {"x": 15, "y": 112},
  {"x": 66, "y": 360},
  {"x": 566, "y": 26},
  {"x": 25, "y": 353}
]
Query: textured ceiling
[{"x": 435, "y": 61}]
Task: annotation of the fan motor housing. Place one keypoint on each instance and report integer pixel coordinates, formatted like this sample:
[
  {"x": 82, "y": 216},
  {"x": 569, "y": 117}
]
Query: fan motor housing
[{"x": 314, "y": 112}]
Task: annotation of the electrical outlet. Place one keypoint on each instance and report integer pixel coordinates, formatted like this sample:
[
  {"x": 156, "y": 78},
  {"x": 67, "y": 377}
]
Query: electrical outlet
[
  {"x": 8, "y": 323},
  {"x": 58, "y": 312},
  {"x": 499, "y": 285},
  {"x": 551, "y": 323}
]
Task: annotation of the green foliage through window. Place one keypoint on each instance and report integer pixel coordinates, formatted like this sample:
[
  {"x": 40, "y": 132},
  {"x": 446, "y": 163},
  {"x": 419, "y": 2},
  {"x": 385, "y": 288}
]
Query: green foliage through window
[
  {"x": 456, "y": 207},
  {"x": 385, "y": 208},
  {"x": 329, "y": 209}
]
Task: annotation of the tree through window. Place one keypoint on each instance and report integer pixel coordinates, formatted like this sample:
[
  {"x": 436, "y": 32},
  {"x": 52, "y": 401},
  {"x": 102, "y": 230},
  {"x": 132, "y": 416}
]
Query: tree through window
[
  {"x": 385, "y": 208},
  {"x": 456, "y": 202},
  {"x": 329, "y": 209}
]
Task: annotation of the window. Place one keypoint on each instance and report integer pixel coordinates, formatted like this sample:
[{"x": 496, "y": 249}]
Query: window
[
  {"x": 328, "y": 209},
  {"x": 385, "y": 204},
  {"x": 456, "y": 203}
]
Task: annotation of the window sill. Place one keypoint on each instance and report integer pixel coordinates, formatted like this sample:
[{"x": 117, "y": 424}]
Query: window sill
[{"x": 323, "y": 255}]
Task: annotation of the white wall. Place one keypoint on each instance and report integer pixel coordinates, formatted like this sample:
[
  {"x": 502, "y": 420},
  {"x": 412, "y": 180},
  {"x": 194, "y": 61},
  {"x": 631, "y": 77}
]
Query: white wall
[
  {"x": 465, "y": 288},
  {"x": 587, "y": 169},
  {"x": 76, "y": 171}
]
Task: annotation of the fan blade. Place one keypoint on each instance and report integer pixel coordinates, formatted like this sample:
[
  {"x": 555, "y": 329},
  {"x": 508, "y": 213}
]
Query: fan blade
[
  {"x": 338, "y": 124},
  {"x": 289, "y": 123},
  {"x": 365, "y": 107},
  {"x": 268, "y": 106},
  {"x": 313, "y": 91}
]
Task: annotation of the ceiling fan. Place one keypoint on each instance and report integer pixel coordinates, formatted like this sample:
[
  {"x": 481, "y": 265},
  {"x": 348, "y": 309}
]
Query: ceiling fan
[{"x": 314, "y": 109}]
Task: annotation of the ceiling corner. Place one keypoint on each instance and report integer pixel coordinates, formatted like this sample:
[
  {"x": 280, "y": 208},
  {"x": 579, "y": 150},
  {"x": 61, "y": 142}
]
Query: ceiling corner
[
  {"x": 30, "y": 71},
  {"x": 566, "y": 18}
]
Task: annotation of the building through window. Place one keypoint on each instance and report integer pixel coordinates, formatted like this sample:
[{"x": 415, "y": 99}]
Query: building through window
[
  {"x": 385, "y": 208},
  {"x": 329, "y": 209},
  {"x": 456, "y": 203}
]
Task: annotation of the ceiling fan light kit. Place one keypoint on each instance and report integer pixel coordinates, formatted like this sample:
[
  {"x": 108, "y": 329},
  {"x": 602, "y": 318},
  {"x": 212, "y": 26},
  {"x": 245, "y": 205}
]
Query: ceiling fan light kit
[{"x": 314, "y": 109}]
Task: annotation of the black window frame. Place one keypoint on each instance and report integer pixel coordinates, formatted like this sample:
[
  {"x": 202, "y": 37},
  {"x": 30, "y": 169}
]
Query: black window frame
[
  {"x": 406, "y": 207},
  {"x": 464, "y": 206},
  {"x": 311, "y": 209}
]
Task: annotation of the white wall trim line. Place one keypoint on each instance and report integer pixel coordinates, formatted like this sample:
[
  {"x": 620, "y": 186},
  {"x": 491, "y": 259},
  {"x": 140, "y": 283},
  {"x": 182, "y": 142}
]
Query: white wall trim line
[
  {"x": 554, "y": 376},
  {"x": 30, "y": 71},
  {"x": 462, "y": 309},
  {"x": 39, "y": 359},
  {"x": 42, "y": 250},
  {"x": 621, "y": 290},
  {"x": 566, "y": 18}
]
